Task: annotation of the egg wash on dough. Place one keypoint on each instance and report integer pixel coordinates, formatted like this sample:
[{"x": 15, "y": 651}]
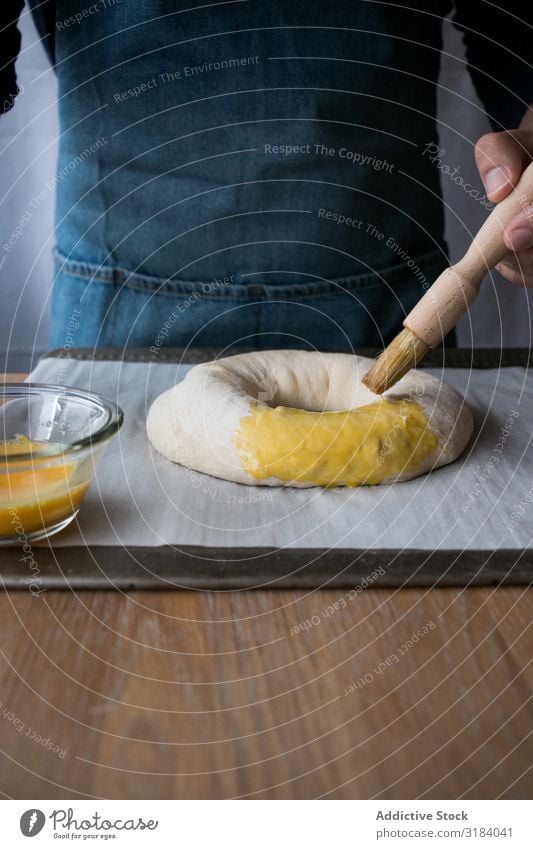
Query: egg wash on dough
[{"x": 366, "y": 445}]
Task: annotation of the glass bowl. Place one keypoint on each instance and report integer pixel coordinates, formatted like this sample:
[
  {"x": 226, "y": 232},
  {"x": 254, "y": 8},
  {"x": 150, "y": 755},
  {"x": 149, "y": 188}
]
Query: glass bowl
[{"x": 51, "y": 438}]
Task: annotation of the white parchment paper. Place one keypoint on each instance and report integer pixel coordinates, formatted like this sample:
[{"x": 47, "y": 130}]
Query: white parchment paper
[{"x": 482, "y": 501}]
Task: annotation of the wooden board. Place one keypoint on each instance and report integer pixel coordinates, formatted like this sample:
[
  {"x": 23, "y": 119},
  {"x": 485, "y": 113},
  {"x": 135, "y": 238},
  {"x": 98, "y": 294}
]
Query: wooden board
[
  {"x": 215, "y": 695},
  {"x": 180, "y": 567}
]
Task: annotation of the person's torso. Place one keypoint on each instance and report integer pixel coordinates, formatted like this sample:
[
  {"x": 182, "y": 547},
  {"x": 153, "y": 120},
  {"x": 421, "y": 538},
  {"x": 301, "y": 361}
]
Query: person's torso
[{"x": 265, "y": 141}]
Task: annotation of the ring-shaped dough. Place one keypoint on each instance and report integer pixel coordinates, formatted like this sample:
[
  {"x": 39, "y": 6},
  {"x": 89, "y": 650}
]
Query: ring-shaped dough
[{"x": 303, "y": 418}]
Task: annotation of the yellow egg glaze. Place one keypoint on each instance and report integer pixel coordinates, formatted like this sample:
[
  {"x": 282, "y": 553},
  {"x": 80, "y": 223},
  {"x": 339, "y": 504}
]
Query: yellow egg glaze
[
  {"x": 38, "y": 495},
  {"x": 366, "y": 445}
]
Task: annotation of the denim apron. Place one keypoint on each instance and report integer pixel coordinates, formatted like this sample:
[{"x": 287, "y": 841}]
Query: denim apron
[{"x": 245, "y": 173}]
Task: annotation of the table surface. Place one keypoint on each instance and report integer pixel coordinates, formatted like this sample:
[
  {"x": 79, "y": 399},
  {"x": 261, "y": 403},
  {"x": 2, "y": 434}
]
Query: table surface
[{"x": 392, "y": 694}]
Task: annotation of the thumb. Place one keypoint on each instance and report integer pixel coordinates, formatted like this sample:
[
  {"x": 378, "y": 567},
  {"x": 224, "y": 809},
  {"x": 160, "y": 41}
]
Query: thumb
[{"x": 501, "y": 158}]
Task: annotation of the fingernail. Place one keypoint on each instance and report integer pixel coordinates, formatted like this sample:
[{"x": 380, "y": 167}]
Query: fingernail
[
  {"x": 495, "y": 180},
  {"x": 520, "y": 238}
]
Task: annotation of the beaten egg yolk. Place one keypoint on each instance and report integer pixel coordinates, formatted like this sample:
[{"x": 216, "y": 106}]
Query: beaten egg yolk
[
  {"x": 366, "y": 445},
  {"x": 35, "y": 495}
]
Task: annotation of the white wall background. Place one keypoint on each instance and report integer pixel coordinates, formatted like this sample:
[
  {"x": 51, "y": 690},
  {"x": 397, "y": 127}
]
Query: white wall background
[
  {"x": 28, "y": 150},
  {"x": 28, "y": 134}
]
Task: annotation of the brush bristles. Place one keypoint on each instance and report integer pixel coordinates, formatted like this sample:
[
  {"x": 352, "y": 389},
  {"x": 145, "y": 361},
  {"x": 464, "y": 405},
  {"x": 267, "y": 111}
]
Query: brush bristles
[{"x": 403, "y": 353}]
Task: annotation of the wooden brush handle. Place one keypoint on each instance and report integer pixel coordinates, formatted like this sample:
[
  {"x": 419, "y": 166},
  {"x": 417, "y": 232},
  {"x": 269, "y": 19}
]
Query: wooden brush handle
[{"x": 453, "y": 292}]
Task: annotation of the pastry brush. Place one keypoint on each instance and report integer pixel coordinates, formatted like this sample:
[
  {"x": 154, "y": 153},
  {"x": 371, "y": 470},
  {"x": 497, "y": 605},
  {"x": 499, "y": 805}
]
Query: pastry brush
[{"x": 455, "y": 289}]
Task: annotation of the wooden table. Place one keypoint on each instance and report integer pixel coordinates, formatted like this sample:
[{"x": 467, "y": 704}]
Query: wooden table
[{"x": 219, "y": 694}]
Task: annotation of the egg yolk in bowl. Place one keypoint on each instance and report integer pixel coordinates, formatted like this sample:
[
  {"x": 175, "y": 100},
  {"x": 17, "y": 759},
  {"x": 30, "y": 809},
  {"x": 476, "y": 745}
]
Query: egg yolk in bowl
[{"x": 40, "y": 491}]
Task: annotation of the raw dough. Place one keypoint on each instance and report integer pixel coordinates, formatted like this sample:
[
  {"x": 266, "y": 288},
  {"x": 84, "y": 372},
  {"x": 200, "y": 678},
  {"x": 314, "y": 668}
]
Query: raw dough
[{"x": 303, "y": 418}]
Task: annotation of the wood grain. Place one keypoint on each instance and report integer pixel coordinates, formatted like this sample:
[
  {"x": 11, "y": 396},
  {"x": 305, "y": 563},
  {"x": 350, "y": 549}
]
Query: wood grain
[{"x": 208, "y": 695}]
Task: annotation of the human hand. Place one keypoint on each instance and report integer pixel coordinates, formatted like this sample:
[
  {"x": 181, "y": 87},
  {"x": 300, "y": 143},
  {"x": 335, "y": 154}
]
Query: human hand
[{"x": 501, "y": 159}]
